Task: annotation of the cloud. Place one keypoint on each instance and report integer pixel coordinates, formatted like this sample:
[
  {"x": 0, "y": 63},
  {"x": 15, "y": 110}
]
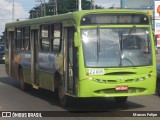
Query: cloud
[
  {"x": 6, "y": 13},
  {"x": 108, "y": 3}
]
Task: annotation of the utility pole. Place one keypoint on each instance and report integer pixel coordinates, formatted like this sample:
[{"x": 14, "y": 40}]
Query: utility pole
[
  {"x": 92, "y": 4},
  {"x": 43, "y": 7},
  {"x": 79, "y": 5},
  {"x": 13, "y": 17},
  {"x": 53, "y": 4}
]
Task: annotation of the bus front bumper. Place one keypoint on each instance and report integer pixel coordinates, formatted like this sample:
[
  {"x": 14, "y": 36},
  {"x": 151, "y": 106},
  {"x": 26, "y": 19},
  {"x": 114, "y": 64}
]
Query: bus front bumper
[{"x": 90, "y": 88}]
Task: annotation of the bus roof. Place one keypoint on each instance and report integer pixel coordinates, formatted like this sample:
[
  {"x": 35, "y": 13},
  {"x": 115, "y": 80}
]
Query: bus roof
[{"x": 70, "y": 16}]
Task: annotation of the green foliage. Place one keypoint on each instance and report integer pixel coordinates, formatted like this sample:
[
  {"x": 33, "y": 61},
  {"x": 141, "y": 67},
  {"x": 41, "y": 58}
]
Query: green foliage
[
  {"x": 2, "y": 37},
  {"x": 63, "y": 6}
]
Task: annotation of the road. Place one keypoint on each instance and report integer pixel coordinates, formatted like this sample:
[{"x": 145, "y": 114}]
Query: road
[{"x": 14, "y": 99}]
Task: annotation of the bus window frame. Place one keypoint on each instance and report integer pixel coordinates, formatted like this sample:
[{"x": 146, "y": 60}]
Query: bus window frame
[
  {"x": 6, "y": 39},
  {"x": 53, "y": 38},
  {"x": 24, "y": 39},
  {"x": 44, "y": 38},
  {"x": 18, "y": 40}
]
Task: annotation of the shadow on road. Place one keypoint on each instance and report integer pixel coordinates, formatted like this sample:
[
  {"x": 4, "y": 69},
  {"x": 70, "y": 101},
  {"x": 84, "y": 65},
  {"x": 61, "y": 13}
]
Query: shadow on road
[
  {"x": 79, "y": 105},
  {"x": 9, "y": 81},
  {"x": 101, "y": 105}
]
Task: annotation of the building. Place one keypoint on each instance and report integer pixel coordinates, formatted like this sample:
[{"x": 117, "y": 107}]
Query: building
[
  {"x": 137, "y": 4},
  {"x": 151, "y": 7}
]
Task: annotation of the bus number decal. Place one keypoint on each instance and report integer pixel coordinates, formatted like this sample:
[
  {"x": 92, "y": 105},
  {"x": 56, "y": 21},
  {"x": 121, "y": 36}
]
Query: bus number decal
[{"x": 96, "y": 72}]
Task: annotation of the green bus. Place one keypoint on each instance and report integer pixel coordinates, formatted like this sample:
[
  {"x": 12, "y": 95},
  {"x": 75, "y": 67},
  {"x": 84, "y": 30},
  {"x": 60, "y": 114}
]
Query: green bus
[{"x": 84, "y": 54}]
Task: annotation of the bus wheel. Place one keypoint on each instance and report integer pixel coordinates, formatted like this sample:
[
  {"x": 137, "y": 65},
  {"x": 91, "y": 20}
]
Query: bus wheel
[
  {"x": 63, "y": 99},
  {"x": 120, "y": 100},
  {"x": 158, "y": 87},
  {"x": 22, "y": 84}
]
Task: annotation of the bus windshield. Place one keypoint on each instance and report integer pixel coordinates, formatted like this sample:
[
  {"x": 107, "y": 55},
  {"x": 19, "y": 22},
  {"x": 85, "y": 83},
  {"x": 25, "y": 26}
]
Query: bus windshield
[{"x": 111, "y": 47}]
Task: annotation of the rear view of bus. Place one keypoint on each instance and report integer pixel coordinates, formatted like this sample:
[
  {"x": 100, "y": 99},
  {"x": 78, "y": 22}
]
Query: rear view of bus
[{"x": 116, "y": 55}]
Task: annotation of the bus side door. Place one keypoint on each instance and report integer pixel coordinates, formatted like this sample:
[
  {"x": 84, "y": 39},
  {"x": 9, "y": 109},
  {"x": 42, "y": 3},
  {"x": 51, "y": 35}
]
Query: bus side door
[{"x": 34, "y": 57}]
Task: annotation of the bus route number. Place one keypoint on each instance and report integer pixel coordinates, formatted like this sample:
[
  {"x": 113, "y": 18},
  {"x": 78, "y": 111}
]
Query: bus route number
[{"x": 96, "y": 72}]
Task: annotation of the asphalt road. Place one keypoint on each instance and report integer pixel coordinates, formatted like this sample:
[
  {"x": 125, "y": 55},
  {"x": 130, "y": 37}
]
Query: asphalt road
[{"x": 13, "y": 99}]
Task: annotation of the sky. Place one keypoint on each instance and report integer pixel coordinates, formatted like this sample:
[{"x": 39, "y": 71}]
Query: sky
[
  {"x": 22, "y": 7},
  {"x": 108, "y": 3}
]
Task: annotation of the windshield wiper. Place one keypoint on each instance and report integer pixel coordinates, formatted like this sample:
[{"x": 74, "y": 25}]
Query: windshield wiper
[
  {"x": 98, "y": 42},
  {"x": 98, "y": 39}
]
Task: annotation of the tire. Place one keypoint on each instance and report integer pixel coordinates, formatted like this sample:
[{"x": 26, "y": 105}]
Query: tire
[
  {"x": 120, "y": 100},
  {"x": 158, "y": 87},
  {"x": 21, "y": 80},
  {"x": 64, "y": 100}
]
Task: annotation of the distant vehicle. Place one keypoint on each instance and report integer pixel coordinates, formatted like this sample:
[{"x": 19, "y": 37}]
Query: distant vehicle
[
  {"x": 158, "y": 80},
  {"x": 2, "y": 53}
]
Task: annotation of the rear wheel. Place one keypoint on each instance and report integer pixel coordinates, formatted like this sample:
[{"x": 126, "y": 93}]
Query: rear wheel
[
  {"x": 64, "y": 100},
  {"x": 22, "y": 83},
  {"x": 120, "y": 100}
]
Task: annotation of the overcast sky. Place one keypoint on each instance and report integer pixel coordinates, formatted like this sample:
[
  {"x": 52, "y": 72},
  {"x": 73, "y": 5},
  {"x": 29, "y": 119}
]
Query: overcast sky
[
  {"x": 22, "y": 8},
  {"x": 108, "y": 3}
]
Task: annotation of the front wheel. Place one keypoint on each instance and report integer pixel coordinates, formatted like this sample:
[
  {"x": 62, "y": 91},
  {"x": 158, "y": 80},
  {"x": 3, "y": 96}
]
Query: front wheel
[
  {"x": 120, "y": 100},
  {"x": 158, "y": 87}
]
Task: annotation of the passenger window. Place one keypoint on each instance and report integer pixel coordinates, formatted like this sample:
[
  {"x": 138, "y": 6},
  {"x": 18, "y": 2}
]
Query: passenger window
[
  {"x": 45, "y": 42},
  {"x": 56, "y": 36}
]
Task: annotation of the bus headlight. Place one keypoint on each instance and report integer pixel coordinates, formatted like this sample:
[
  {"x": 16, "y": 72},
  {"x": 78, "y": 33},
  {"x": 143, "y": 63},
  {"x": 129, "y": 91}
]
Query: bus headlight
[
  {"x": 140, "y": 79},
  {"x": 90, "y": 78},
  {"x": 3, "y": 57}
]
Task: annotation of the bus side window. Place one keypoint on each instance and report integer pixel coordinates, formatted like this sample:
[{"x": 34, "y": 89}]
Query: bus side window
[
  {"x": 18, "y": 40},
  {"x": 45, "y": 42},
  {"x": 56, "y": 36}
]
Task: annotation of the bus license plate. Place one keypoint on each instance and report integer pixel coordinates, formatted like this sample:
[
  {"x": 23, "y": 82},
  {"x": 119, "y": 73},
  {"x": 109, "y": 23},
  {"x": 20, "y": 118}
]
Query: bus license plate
[{"x": 121, "y": 88}]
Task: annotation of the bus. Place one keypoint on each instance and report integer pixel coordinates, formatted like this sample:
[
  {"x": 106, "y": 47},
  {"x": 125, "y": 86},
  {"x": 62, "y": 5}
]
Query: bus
[{"x": 84, "y": 54}]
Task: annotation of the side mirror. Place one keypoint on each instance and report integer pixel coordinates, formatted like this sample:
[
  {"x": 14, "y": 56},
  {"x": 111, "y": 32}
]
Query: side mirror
[{"x": 76, "y": 40}]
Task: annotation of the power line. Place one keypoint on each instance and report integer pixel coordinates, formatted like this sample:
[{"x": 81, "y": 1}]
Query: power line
[
  {"x": 92, "y": 4},
  {"x": 53, "y": 4},
  {"x": 43, "y": 7}
]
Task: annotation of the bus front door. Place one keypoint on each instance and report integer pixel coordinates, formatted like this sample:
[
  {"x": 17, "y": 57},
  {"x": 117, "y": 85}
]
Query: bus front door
[
  {"x": 69, "y": 61},
  {"x": 34, "y": 58}
]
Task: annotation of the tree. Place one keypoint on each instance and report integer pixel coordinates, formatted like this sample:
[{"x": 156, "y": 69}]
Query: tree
[
  {"x": 2, "y": 37},
  {"x": 63, "y": 6}
]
